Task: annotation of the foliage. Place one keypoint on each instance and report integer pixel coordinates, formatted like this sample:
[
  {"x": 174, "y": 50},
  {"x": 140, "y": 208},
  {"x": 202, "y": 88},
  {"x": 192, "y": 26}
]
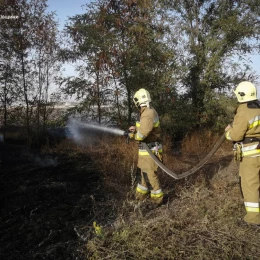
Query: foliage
[
  {"x": 219, "y": 110},
  {"x": 121, "y": 45},
  {"x": 212, "y": 35},
  {"x": 186, "y": 53},
  {"x": 29, "y": 45}
]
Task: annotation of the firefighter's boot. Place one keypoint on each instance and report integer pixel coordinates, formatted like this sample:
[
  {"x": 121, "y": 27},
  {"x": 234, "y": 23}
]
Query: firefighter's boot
[
  {"x": 156, "y": 196},
  {"x": 157, "y": 201},
  {"x": 141, "y": 196}
]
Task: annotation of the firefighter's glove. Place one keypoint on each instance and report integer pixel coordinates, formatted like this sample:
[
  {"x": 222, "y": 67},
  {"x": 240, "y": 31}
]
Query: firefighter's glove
[
  {"x": 128, "y": 134},
  {"x": 131, "y": 135},
  {"x": 131, "y": 132}
]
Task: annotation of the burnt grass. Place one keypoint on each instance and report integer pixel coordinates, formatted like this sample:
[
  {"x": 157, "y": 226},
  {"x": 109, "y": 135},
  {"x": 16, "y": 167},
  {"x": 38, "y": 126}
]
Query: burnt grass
[{"x": 48, "y": 203}]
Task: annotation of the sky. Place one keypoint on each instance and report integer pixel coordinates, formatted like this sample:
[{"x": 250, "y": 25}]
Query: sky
[{"x": 67, "y": 8}]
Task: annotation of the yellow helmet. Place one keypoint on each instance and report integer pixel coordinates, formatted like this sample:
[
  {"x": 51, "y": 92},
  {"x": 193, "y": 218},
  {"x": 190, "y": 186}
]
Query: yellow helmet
[
  {"x": 245, "y": 91},
  {"x": 142, "y": 98}
]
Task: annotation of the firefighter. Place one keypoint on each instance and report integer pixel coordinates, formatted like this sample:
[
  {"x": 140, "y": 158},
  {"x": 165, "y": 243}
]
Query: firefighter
[
  {"x": 245, "y": 133},
  {"x": 147, "y": 130}
]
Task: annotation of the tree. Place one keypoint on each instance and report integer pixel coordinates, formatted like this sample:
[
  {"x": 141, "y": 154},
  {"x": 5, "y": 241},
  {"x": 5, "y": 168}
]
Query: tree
[
  {"x": 211, "y": 35},
  {"x": 45, "y": 61},
  {"x": 29, "y": 43},
  {"x": 182, "y": 51},
  {"x": 121, "y": 43}
]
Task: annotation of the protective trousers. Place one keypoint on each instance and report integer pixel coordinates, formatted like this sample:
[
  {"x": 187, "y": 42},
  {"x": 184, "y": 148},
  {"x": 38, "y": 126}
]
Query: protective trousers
[
  {"x": 148, "y": 181},
  {"x": 249, "y": 171}
]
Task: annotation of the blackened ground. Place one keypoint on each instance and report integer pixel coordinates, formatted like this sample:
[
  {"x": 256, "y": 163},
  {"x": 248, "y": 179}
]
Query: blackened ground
[{"x": 48, "y": 204}]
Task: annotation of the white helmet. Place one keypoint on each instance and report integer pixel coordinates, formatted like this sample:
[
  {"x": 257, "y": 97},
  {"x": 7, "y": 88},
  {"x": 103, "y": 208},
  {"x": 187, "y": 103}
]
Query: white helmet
[
  {"x": 142, "y": 98},
  {"x": 245, "y": 91}
]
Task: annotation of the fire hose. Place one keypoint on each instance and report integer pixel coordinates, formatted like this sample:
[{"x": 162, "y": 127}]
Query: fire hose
[{"x": 193, "y": 169}]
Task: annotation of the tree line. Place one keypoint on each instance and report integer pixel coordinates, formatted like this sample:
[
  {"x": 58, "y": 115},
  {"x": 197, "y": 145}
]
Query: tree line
[{"x": 188, "y": 54}]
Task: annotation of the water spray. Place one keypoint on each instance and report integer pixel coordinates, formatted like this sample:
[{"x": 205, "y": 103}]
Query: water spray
[{"x": 75, "y": 127}]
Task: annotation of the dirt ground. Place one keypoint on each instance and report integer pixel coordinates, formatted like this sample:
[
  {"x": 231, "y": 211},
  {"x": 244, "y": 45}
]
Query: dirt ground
[{"x": 48, "y": 203}]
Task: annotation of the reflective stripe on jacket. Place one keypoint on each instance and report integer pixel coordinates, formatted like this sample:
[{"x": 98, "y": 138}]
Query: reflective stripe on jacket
[
  {"x": 250, "y": 150},
  {"x": 246, "y": 124}
]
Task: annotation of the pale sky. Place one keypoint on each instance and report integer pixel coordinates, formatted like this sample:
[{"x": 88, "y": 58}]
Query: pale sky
[{"x": 67, "y": 8}]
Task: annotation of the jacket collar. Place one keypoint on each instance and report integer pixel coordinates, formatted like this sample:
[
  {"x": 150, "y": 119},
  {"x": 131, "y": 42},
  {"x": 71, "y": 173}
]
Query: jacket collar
[{"x": 142, "y": 110}]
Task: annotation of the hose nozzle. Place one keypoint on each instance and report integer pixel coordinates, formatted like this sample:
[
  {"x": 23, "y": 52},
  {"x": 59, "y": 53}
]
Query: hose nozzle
[{"x": 126, "y": 133}]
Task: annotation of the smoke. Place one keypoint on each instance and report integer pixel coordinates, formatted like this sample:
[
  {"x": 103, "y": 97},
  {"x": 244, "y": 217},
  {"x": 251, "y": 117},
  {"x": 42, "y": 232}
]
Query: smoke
[
  {"x": 45, "y": 161},
  {"x": 1, "y": 138},
  {"x": 84, "y": 133}
]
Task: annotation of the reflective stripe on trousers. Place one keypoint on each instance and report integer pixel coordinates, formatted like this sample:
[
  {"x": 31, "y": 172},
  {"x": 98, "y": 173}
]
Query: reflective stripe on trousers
[
  {"x": 141, "y": 189},
  {"x": 156, "y": 193},
  {"x": 252, "y": 206}
]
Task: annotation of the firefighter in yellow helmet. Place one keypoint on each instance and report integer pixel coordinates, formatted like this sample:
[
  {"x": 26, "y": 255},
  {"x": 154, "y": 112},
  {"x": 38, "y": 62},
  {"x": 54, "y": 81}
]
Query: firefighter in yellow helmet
[
  {"x": 245, "y": 132},
  {"x": 147, "y": 130}
]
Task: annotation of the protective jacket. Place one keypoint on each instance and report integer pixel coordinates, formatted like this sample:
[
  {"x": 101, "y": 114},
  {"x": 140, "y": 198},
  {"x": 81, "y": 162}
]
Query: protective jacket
[
  {"x": 246, "y": 128},
  {"x": 148, "y": 130}
]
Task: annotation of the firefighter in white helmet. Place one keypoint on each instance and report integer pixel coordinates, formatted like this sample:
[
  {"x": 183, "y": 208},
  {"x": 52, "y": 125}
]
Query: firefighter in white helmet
[
  {"x": 245, "y": 132},
  {"x": 147, "y": 130}
]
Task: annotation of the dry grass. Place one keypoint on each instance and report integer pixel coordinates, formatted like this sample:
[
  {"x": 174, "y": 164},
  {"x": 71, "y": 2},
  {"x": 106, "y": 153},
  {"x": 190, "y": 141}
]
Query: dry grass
[
  {"x": 116, "y": 159},
  {"x": 199, "y": 221},
  {"x": 199, "y": 224}
]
